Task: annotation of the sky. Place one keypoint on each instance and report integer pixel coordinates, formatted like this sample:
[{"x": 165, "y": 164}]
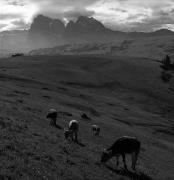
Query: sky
[{"x": 122, "y": 15}]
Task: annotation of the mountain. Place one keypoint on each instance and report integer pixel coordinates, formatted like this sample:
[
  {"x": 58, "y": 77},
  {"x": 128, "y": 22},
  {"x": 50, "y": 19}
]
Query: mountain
[
  {"x": 46, "y": 25},
  {"x": 46, "y": 32},
  {"x": 85, "y": 25},
  {"x": 84, "y": 29}
]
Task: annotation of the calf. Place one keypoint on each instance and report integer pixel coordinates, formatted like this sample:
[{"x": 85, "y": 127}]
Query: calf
[
  {"x": 52, "y": 114},
  {"x": 96, "y": 130},
  {"x": 72, "y": 131},
  {"x": 123, "y": 145}
]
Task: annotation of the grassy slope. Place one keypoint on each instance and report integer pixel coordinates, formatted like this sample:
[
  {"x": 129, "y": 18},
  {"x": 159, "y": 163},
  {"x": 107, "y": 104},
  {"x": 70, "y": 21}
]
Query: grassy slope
[
  {"x": 124, "y": 95},
  {"x": 155, "y": 47}
]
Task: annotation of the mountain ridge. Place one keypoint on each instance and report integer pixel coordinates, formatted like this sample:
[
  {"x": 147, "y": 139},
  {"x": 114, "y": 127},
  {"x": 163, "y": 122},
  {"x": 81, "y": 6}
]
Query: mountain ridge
[
  {"x": 46, "y": 32},
  {"x": 89, "y": 23}
]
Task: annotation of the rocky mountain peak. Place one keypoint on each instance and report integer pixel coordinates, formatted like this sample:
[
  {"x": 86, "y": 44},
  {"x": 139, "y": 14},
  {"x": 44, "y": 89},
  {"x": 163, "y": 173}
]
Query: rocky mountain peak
[
  {"x": 43, "y": 24},
  {"x": 85, "y": 25}
]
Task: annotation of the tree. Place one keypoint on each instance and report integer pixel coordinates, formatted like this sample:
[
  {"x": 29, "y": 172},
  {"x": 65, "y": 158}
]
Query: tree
[{"x": 166, "y": 61}]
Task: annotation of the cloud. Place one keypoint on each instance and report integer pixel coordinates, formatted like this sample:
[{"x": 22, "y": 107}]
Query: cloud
[
  {"x": 64, "y": 3},
  {"x": 75, "y": 13},
  {"x": 65, "y": 8},
  {"x": 118, "y": 10},
  {"x": 19, "y": 24},
  {"x": 135, "y": 15},
  {"x": 2, "y": 25},
  {"x": 123, "y": 15},
  {"x": 15, "y": 2},
  {"x": 9, "y": 16}
]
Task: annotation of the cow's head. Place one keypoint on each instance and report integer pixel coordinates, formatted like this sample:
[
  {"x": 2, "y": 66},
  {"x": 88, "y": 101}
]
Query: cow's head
[{"x": 106, "y": 155}]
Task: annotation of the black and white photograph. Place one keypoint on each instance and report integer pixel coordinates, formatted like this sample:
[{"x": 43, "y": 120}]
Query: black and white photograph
[{"x": 86, "y": 90}]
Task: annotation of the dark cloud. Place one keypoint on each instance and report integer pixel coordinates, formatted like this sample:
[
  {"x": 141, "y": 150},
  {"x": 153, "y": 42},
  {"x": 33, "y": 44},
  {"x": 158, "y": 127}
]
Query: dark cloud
[
  {"x": 20, "y": 24},
  {"x": 16, "y": 2},
  {"x": 135, "y": 17},
  {"x": 75, "y": 13},
  {"x": 118, "y": 10}
]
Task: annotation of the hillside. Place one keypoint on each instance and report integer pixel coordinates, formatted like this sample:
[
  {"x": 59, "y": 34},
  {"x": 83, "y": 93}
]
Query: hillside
[
  {"x": 147, "y": 47},
  {"x": 123, "y": 95}
]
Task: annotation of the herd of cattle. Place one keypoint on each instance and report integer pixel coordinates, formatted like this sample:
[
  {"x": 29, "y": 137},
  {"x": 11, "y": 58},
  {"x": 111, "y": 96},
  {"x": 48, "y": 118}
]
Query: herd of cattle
[{"x": 122, "y": 146}]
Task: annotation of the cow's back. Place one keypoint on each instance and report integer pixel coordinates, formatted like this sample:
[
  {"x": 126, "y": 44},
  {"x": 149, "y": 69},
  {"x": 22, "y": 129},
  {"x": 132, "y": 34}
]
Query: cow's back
[
  {"x": 126, "y": 145},
  {"x": 74, "y": 125}
]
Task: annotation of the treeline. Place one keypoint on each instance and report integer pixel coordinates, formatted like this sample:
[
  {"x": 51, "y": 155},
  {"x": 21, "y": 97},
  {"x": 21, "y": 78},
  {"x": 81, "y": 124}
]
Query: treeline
[{"x": 167, "y": 64}]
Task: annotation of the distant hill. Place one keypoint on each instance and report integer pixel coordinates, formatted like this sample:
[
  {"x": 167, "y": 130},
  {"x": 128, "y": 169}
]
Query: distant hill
[{"x": 155, "y": 47}]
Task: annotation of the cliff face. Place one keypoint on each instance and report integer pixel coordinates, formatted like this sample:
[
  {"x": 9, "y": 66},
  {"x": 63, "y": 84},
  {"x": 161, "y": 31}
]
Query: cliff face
[
  {"x": 45, "y": 25},
  {"x": 84, "y": 27}
]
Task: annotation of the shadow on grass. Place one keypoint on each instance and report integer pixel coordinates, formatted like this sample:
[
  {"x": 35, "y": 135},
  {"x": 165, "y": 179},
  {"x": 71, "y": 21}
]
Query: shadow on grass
[
  {"x": 81, "y": 144},
  {"x": 132, "y": 175},
  {"x": 57, "y": 126}
]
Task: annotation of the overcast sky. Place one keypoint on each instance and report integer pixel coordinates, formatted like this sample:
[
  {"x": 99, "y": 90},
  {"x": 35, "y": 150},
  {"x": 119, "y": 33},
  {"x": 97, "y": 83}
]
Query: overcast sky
[{"x": 125, "y": 15}]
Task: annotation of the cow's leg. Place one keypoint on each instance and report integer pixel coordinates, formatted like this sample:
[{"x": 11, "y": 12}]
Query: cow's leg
[
  {"x": 124, "y": 161},
  {"x": 98, "y": 132},
  {"x": 117, "y": 159},
  {"x": 54, "y": 122},
  {"x": 75, "y": 133},
  {"x": 71, "y": 135},
  {"x": 135, "y": 160}
]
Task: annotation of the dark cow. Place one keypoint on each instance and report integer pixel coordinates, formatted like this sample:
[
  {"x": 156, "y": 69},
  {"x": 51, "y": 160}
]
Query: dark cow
[
  {"x": 53, "y": 116},
  {"x": 123, "y": 145}
]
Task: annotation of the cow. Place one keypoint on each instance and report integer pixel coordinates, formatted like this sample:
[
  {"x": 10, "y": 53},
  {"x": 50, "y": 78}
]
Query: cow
[
  {"x": 72, "y": 130},
  {"x": 122, "y": 146},
  {"x": 95, "y": 130},
  {"x": 52, "y": 114}
]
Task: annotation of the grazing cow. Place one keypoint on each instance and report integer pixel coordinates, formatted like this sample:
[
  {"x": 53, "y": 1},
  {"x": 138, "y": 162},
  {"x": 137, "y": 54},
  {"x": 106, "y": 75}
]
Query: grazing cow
[
  {"x": 72, "y": 131},
  {"x": 53, "y": 116},
  {"x": 123, "y": 145},
  {"x": 96, "y": 130}
]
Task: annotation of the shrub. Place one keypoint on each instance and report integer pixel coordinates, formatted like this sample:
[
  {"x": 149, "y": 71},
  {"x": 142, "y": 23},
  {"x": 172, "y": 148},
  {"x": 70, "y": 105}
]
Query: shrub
[{"x": 166, "y": 76}]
